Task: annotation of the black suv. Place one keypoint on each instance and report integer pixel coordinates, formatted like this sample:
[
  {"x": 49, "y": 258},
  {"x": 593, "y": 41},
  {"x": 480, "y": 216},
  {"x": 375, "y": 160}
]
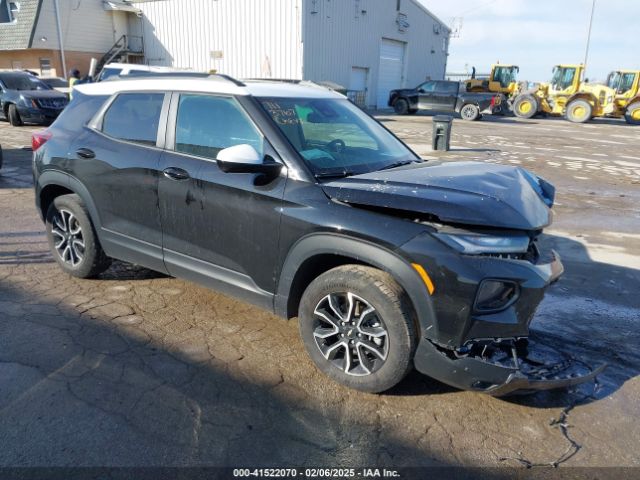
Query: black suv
[
  {"x": 290, "y": 197},
  {"x": 25, "y": 98}
]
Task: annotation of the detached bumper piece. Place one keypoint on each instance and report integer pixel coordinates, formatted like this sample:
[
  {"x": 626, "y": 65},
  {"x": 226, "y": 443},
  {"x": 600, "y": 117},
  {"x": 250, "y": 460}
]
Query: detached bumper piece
[{"x": 505, "y": 367}]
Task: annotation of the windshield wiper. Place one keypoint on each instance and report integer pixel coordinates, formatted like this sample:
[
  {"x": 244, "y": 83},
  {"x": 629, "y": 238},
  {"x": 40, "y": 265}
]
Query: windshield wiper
[
  {"x": 334, "y": 174},
  {"x": 401, "y": 163}
]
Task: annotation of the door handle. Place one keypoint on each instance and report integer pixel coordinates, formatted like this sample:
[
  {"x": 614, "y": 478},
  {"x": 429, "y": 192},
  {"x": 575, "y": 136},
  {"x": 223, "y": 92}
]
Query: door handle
[
  {"x": 85, "y": 153},
  {"x": 175, "y": 173}
]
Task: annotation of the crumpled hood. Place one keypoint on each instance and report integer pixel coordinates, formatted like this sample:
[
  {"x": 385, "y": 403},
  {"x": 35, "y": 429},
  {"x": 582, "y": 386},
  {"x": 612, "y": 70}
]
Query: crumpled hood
[{"x": 470, "y": 193}]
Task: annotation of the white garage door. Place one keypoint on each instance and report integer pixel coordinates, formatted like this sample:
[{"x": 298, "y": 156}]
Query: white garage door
[{"x": 391, "y": 69}]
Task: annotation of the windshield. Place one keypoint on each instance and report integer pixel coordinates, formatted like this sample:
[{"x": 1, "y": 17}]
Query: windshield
[
  {"x": 614, "y": 80},
  {"x": 109, "y": 72},
  {"x": 562, "y": 78},
  {"x": 23, "y": 82},
  {"x": 627, "y": 82},
  {"x": 334, "y": 137},
  {"x": 505, "y": 75}
]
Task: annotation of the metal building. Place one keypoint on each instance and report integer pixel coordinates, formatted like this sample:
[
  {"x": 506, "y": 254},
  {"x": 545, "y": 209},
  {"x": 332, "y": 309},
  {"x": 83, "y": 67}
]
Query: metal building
[{"x": 367, "y": 46}]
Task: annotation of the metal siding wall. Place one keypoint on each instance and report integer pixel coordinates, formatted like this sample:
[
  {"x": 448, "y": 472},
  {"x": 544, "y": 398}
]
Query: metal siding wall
[
  {"x": 339, "y": 37},
  {"x": 183, "y": 34}
]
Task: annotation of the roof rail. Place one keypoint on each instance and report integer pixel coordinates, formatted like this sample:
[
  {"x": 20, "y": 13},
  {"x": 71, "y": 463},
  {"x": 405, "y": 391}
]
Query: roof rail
[
  {"x": 323, "y": 85},
  {"x": 145, "y": 75},
  {"x": 237, "y": 83}
]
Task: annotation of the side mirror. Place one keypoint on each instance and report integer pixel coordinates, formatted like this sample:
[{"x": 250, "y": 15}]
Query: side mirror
[
  {"x": 245, "y": 159},
  {"x": 421, "y": 90}
]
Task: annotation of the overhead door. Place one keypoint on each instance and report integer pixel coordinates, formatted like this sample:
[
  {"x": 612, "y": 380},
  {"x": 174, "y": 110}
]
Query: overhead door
[{"x": 391, "y": 69}]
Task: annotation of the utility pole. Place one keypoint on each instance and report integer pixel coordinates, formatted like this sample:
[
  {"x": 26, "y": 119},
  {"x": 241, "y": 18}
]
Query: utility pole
[
  {"x": 586, "y": 53},
  {"x": 60, "y": 42}
]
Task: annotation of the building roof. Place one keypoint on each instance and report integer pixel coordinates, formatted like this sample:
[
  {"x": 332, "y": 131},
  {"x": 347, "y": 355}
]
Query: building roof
[
  {"x": 18, "y": 34},
  {"x": 211, "y": 84}
]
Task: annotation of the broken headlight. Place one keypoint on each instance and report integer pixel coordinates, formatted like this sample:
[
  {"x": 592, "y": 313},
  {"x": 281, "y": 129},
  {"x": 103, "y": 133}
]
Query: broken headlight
[{"x": 474, "y": 244}]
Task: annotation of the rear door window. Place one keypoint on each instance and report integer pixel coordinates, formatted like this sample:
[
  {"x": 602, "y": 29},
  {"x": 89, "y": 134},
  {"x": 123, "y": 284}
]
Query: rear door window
[
  {"x": 207, "y": 124},
  {"x": 134, "y": 117}
]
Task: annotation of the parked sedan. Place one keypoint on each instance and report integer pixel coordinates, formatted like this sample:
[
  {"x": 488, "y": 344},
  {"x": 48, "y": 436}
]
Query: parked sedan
[
  {"x": 443, "y": 96},
  {"x": 25, "y": 98}
]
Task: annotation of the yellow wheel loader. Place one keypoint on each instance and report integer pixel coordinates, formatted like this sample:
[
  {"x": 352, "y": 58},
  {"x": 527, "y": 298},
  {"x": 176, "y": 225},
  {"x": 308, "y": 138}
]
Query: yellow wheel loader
[
  {"x": 550, "y": 98},
  {"x": 502, "y": 79},
  {"x": 619, "y": 98}
]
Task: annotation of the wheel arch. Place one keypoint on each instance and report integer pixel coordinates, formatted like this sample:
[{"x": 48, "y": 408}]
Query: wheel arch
[
  {"x": 397, "y": 97},
  {"x": 634, "y": 101},
  {"x": 52, "y": 184},
  {"x": 589, "y": 97},
  {"x": 317, "y": 253}
]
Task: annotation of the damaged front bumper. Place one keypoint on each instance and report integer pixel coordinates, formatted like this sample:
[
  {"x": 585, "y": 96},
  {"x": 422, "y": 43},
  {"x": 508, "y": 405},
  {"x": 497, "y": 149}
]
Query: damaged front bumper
[
  {"x": 483, "y": 350},
  {"x": 503, "y": 367}
]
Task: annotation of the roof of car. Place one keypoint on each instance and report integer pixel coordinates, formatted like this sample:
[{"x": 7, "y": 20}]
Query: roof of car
[
  {"x": 211, "y": 84},
  {"x": 136, "y": 66}
]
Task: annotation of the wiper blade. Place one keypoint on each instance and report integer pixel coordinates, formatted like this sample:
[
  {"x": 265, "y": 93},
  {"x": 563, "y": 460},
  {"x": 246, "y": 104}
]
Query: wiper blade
[
  {"x": 399, "y": 164},
  {"x": 334, "y": 174}
]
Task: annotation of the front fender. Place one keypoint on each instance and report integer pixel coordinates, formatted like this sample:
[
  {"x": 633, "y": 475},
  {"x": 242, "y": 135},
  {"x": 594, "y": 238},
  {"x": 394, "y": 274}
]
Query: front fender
[
  {"x": 361, "y": 251},
  {"x": 583, "y": 96}
]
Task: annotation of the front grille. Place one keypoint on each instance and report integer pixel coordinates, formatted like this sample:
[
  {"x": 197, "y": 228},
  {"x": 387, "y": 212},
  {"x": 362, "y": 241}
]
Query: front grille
[{"x": 51, "y": 102}]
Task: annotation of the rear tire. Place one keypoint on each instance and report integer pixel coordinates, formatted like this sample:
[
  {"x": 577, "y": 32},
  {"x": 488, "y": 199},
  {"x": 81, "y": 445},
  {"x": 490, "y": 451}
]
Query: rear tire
[
  {"x": 72, "y": 238},
  {"x": 632, "y": 115},
  {"x": 525, "y": 106},
  {"x": 579, "y": 111},
  {"x": 401, "y": 106},
  {"x": 358, "y": 327},
  {"x": 14, "y": 116},
  {"x": 470, "y": 112}
]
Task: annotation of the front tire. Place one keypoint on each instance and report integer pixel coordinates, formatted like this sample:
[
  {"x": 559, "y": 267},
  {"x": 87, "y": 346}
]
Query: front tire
[
  {"x": 358, "y": 327},
  {"x": 525, "y": 106},
  {"x": 632, "y": 115},
  {"x": 14, "y": 116},
  {"x": 72, "y": 238},
  {"x": 470, "y": 112},
  {"x": 579, "y": 111},
  {"x": 401, "y": 106}
]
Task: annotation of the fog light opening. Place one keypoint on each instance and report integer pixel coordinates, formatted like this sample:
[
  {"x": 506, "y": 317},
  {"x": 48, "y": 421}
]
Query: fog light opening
[{"x": 495, "y": 295}]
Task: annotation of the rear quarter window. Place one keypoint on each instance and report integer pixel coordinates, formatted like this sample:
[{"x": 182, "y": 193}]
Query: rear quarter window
[
  {"x": 134, "y": 117},
  {"x": 81, "y": 109}
]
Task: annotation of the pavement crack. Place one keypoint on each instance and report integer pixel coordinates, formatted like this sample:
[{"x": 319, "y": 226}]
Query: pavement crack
[{"x": 562, "y": 422}]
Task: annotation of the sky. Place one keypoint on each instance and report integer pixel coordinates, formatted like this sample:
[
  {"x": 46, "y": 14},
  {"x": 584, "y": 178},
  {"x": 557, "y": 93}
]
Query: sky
[{"x": 538, "y": 34}]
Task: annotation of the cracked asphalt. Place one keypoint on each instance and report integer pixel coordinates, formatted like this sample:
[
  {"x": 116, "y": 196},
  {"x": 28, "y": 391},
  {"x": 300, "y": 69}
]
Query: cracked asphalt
[{"x": 139, "y": 369}]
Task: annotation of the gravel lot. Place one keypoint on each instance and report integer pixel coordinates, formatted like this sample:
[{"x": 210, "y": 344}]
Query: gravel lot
[{"x": 137, "y": 369}]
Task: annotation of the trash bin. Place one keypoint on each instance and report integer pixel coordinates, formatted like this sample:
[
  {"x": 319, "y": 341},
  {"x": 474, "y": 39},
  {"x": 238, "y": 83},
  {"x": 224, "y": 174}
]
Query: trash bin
[{"x": 441, "y": 132}]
